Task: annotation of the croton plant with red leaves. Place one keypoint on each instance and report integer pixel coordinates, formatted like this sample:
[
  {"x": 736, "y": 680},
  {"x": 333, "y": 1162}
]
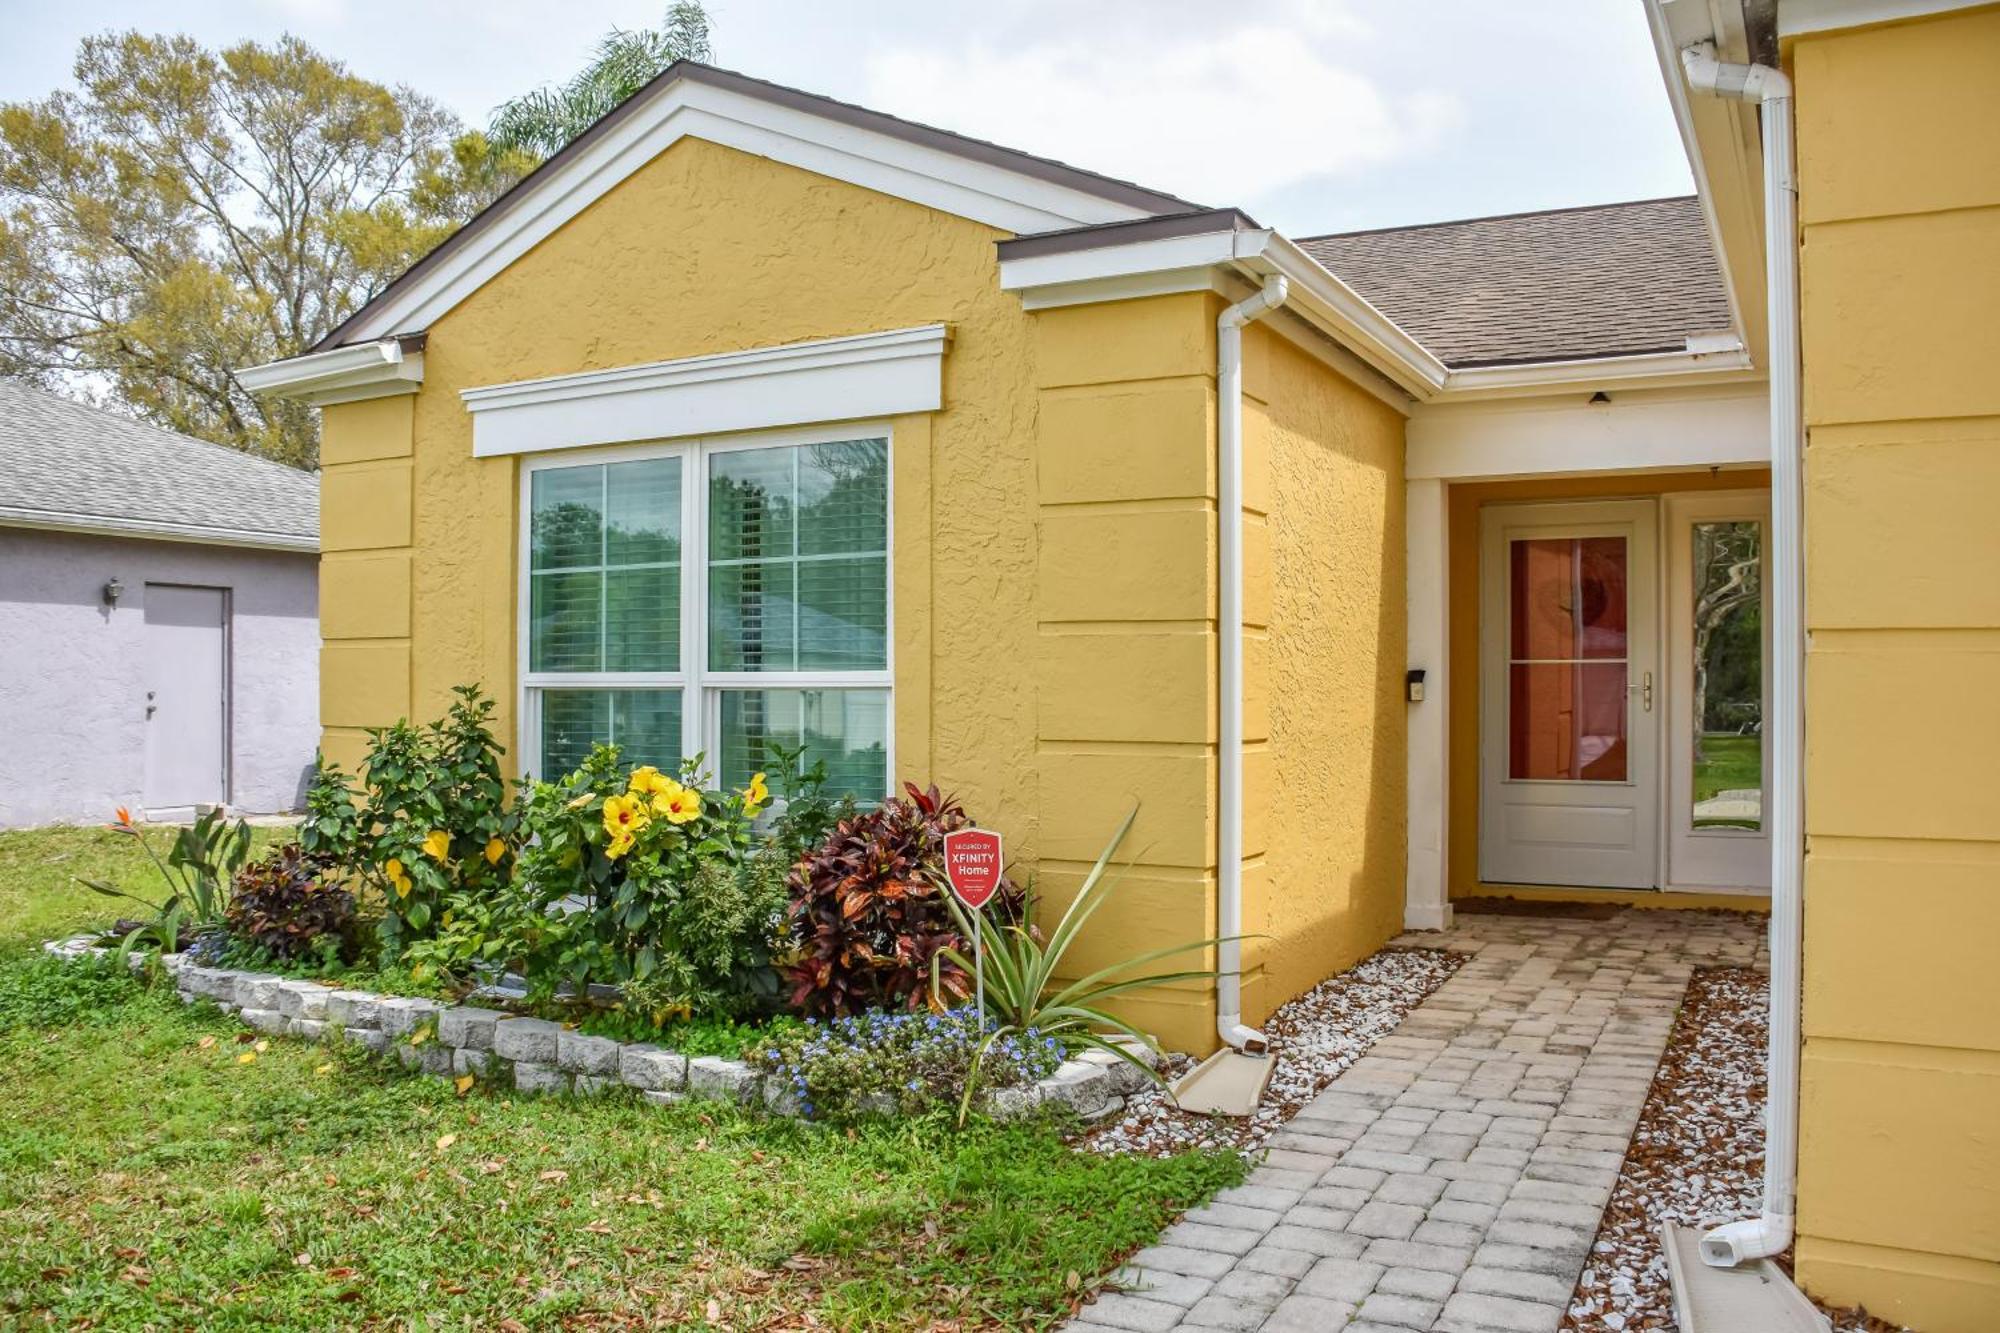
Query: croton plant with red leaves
[{"x": 869, "y": 910}]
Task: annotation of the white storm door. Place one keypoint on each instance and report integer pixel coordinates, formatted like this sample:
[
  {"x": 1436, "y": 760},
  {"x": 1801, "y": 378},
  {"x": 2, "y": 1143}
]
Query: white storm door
[
  {"x": 1718, "y": 644},
  {"x": 1569, "y": 748},
  {"x": 187, "y": 691}
]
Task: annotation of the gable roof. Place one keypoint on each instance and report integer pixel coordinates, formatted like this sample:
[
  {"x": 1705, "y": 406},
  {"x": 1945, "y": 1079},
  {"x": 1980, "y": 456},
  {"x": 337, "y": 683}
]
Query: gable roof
[
  {"x": 1566, "y": 284},
  {"x": 68, "y": 466},
  {"x": 1007, "y": 188}
]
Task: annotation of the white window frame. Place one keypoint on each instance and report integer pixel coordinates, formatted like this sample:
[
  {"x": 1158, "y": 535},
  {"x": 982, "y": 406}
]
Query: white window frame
[{"x": 701, "y": 688}]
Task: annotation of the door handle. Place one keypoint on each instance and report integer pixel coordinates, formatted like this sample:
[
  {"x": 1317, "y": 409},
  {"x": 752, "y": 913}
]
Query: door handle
[
  {"x": 151, "y": 707},
  {"x": 1645, "y": 689}
]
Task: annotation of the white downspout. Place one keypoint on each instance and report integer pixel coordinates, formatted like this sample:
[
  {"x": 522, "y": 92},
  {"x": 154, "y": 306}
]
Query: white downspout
[
  {"x": 1771, "y": 1233},
  {"x": 1229, "y": 677}
]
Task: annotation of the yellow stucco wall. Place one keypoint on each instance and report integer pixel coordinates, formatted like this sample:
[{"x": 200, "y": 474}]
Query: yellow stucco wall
[
  {"x": 1899, "y": 196},
  {"x": 1053, "y": 524},
  {"x": 1324, "y": 719},
  {"x": 1464, "y": 502}
]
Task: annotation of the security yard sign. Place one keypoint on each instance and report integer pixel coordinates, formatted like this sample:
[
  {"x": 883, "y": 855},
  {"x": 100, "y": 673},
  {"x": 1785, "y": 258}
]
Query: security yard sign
[{"x": 972, "y": 865}]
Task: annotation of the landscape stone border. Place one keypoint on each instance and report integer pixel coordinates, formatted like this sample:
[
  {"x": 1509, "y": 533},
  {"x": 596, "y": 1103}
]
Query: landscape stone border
[{"x": 539, "y": 1056}]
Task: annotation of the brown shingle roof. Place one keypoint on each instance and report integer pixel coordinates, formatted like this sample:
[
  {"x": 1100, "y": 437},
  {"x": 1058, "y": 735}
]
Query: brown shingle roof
[{"x": 1607, "y": 280}]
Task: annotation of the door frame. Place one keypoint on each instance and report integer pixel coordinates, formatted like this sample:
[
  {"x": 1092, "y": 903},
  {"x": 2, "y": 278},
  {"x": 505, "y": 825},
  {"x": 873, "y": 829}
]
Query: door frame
[
  {"x": 1637, "y": 517},
  {"x": 228, "y": 776},
  {"x": 1684, "y": 872}
]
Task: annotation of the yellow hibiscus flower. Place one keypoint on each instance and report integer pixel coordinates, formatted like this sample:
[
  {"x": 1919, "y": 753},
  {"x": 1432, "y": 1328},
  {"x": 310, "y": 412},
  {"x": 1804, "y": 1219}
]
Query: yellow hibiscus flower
[
  {"x": 756, "y": 795},
  {"x": 437, "y": 844},
  {"x": 397, "y": 877},
  {"x": 624, "y": 816},
  {"x": 649, "y": 781},
  {"x": 620, "y": 844},
  {"x": 495, "y": 849},
  {"x": 678, "y": 804}
]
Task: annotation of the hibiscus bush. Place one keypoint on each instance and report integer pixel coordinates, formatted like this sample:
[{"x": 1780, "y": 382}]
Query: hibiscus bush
[
  {"x": 637, "y": 879},
  {"x": 870, "y": 911},
  {"x": 425, "y": 820}
]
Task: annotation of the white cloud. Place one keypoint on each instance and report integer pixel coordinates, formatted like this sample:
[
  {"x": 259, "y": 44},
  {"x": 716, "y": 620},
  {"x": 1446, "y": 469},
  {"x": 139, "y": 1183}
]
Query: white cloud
[{"x": 1217, "y": 118}]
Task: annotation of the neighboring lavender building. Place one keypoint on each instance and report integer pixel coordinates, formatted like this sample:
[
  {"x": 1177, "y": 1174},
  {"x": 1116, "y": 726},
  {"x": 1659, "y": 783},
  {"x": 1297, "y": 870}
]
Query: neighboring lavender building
[{"x": 159, "y": 621}]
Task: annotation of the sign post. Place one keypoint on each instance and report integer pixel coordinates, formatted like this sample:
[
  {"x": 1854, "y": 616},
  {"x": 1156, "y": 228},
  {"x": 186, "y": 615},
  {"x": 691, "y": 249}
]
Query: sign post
[{"x": 972, "y": 863}]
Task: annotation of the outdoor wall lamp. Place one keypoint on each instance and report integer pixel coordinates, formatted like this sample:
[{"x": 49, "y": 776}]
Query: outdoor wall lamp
[
  {"x": 113, "y": 590},
  {"x": 1413, "y": 684}
]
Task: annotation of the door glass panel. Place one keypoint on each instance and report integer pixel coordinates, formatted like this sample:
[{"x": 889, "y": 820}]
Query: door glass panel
[
  {"x": 1566, "y": 671},
  {"x": 1567, "y": 721},
  {"x": 1728, "y": 706}
]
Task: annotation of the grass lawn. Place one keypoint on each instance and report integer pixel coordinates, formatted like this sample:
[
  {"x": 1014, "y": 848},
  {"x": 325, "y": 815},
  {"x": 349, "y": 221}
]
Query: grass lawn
[
  {"x": 1728, "y": 763},
  {"x": 150, "y": 1175}
]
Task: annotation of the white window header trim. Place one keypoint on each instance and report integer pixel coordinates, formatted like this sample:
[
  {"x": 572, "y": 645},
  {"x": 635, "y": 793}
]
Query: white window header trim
[{"x": 826, "y": 379}]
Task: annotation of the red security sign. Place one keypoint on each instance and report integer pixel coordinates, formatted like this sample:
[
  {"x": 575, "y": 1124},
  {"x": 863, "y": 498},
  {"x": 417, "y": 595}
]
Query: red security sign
[{"x": 972, "y": 865}]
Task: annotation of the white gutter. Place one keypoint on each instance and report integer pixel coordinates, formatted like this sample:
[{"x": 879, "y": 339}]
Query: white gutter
[
  {"x": 1229, "y": 678},
  {"x": 1771, "y": 1233},
  {"x": 148, "y": 529},
  {"x": 343, "y": 374}
]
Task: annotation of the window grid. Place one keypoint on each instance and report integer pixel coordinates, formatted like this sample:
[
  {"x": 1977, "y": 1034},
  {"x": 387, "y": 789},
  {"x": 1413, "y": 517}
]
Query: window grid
[{"x": 702, "y": 689}]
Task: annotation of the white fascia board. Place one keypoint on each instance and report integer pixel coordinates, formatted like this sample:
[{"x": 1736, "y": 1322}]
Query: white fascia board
[
  {"x": 1096, "y": 291},
  {"x": 1640, "y": 431},
  {"x": 1344, "y": 313},
  {"x": 983, "y": 192},
  {"x": 1136, "y": 258},
  {"x": 343, "y": 374},
  {"x": 1796, "y": 18},
  {"x": 1591, "y": 373},
  {"x": 828, "y": 379},
  {"x": 45, "y": 520}
]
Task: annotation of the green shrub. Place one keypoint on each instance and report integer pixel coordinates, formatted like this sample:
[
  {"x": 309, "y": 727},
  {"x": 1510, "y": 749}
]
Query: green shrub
[
  {"x": 871, "y": 915},
  {"x": 287, "y": 907},
  {"x": 632, "y": 878},
  {"x": 425, "y": 820}
]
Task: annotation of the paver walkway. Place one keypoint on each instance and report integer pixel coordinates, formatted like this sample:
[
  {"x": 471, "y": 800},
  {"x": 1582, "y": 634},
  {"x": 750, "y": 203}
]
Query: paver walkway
[{"x": 1453, "y": 1177}]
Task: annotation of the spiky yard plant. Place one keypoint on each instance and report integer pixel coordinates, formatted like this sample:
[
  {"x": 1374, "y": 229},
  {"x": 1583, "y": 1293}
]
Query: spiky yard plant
[{"x": 1022, "y": 973}]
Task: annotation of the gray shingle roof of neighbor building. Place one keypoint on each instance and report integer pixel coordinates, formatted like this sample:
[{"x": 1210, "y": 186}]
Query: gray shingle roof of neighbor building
[
  {"x": 1572, "y": 283},
  {"x": 67, "y": 465}
]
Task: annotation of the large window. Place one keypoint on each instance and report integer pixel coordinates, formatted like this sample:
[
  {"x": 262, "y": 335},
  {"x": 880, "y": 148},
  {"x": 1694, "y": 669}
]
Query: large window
[{"x": 713, "y": 598}]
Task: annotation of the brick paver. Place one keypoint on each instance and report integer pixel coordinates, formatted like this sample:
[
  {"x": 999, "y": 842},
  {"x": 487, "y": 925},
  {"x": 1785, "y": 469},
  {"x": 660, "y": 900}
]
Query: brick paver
[{"x": 1451, "y": 1179}]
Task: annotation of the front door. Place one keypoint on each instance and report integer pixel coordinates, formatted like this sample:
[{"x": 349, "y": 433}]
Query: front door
[
  {"x": 187, "y": 685},
  {"x": 1569, "y": 745}
]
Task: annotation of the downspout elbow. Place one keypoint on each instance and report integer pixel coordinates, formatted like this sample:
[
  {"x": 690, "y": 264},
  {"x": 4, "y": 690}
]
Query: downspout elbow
[
  {"x": 1763, "y": 1237},
  {"x": 1740, "y": 83}
]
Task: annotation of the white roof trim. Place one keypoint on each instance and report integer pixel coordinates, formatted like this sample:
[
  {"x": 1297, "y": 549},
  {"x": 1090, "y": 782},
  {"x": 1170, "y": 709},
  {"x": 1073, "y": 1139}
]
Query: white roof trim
[
  {"x": 48, "y": 520},
  {"x": 1116, "y": 271},
  {"x": 344, "y": 374},
  {"x": 1799, "y": 17},
  {"x": 984, "y": 192},
  {"x": 827, "y": 379}
]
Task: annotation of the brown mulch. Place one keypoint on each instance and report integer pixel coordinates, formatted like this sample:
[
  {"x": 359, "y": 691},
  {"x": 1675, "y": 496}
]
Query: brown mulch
[{"x": 1696, "y": 1158}]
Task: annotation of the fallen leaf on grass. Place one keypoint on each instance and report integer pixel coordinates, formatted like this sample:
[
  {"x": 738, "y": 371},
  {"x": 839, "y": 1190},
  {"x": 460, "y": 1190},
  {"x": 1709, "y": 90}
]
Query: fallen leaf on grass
[
  {"x": 446, "y": 1140},
  {"x": 557, "y": 1176},
  {"x": 206, "y": 1042},
  {"x": 340, "y": 1274},
  {"x": 491, "y": 1168},
  {"x": 714, "y": 1310},
  {"x": 261, "y": 1047},
  {"x": 248, "y": 1057},
  {"x": 599, "y": 1228},
  {"x": 245, "y": 1038},
  {"x": 303, "y": 1259},
  {"x": 324, "y": 1069},
  {"x": 463, "y": 1084}
]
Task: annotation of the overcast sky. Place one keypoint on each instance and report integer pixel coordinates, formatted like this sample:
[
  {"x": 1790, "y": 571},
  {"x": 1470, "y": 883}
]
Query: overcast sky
[{"x": 1311, "y": 115}]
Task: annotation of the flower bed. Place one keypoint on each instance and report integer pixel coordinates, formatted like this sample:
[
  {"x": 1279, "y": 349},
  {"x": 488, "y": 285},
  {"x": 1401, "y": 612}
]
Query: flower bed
[{"x": 534, "y": 1055}]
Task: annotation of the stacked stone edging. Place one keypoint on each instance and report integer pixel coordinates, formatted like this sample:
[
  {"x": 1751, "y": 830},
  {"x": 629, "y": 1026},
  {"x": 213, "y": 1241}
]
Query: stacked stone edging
[{"x": 539, "y": 1056}]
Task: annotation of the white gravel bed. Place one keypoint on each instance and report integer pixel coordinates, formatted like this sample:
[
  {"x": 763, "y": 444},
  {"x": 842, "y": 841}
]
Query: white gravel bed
[
  {"x": 1697, "y": 1157},
  {"x": 1313, "y": 1038}
]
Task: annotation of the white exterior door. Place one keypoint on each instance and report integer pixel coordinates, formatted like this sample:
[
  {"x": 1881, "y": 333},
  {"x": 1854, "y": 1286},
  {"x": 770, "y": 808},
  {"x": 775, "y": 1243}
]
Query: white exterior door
[
  {"x": 187, "y": 696},
  {"x": 1570, "y": 695}
]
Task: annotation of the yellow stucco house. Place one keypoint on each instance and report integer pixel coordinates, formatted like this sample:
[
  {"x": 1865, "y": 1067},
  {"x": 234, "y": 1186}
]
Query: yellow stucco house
[{"x": 1384, "y": 569}]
